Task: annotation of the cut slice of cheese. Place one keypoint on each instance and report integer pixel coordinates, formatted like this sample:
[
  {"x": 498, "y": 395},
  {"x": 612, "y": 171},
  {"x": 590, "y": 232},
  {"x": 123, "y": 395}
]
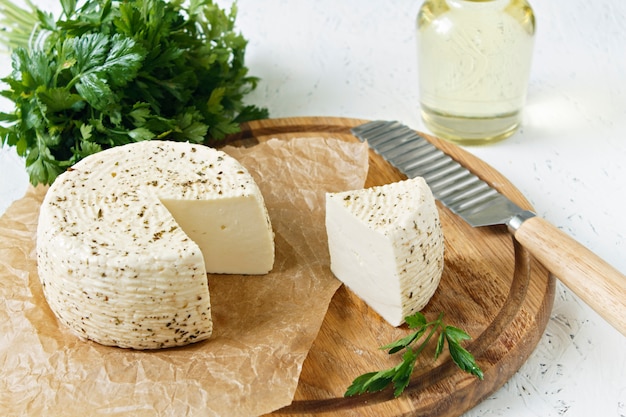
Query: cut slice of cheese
[
  {"x": 126, "y": 237},
  {"x": 386, "y": 245}
]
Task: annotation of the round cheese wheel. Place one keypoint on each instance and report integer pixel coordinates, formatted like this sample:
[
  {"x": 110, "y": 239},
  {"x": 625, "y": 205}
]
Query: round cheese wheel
[{"x": 127, "y": 235}]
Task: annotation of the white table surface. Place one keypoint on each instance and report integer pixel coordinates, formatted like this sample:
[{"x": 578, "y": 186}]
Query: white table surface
[{"x": 357, "y": 58}]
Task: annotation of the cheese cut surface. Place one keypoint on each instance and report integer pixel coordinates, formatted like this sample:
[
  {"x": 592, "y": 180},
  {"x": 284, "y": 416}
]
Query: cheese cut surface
[
  {"x": 386, "y": 245},
  {"x": 126, "y": 237}
]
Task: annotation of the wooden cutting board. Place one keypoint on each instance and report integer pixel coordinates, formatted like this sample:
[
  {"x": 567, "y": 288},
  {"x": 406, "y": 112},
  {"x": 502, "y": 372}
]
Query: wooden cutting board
[{"x": 491, "y": 287}]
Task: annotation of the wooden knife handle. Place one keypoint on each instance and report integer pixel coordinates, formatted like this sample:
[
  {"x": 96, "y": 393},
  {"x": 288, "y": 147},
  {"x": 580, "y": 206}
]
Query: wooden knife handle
[{"x": 596, "y": 282}]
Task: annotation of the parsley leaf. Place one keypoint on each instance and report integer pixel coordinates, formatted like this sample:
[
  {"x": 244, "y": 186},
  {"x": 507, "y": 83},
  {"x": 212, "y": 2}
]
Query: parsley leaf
[
  {"x": 400, "y": 375},
  {"x": 110, "y": 72}
]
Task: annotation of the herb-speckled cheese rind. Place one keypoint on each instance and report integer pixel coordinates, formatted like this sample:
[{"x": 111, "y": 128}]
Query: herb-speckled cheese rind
[
  {"x": 126, "y": 237},
  {"x": 386, "y": 245}
]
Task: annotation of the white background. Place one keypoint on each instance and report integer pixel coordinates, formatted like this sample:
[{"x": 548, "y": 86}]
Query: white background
[{"x": 357, "y": 58}]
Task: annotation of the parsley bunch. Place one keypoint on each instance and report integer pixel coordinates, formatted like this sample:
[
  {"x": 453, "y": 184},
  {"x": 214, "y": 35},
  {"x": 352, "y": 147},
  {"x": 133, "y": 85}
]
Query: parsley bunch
[
  {"x": 107, "y": 73},
  {"x": 400, "y": 375}
]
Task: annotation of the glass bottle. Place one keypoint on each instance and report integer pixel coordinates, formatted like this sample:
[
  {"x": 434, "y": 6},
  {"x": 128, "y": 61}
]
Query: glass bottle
[{"x": 474, "y": 60}]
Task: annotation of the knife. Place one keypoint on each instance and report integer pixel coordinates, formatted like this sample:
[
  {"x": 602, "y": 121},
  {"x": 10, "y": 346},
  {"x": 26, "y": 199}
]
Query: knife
[{"x": 596, "y": 282}]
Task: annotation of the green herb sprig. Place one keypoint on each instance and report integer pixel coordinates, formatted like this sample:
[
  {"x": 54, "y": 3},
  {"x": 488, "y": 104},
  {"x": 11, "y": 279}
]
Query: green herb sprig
[
  {"x": 110, "y": 72},
  {"x": 400, "y": 375}
]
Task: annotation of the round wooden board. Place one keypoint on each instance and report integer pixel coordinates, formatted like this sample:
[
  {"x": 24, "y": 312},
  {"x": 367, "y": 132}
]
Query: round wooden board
[{"x": 491, "y": 287}]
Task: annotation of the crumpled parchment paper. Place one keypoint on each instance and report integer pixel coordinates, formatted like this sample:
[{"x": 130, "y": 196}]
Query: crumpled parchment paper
[{"x": 263, "y": 325}]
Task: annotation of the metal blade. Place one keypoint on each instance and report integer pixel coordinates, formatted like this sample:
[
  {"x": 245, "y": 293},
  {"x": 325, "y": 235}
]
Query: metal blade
[{"x": 451, "y": 183}]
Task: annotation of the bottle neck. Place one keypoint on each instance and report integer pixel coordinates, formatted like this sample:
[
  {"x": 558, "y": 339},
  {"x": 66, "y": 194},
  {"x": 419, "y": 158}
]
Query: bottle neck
[{"x": 478, "y": 5}]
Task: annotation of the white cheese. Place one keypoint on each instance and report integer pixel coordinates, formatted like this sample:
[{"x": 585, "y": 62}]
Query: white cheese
[
  {"x": 386, "y": 245},
  {"x": 126, "y": 237}
]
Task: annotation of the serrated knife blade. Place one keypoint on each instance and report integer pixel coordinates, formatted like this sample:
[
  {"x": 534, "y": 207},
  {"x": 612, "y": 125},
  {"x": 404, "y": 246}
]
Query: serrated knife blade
[{"x": 596, "y": 282}]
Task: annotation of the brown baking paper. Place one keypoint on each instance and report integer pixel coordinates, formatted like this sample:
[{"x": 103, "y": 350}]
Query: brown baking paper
[{"x": 263, "y": 325}]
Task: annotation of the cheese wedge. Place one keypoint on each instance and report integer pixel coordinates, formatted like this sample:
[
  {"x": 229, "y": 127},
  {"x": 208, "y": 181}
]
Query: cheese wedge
[
  {"x": 386, "y": 245},
  {"x": 126, "y": 237}
]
